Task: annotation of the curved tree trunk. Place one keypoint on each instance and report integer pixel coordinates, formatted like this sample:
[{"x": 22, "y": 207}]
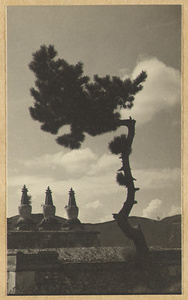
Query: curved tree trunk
[{"x": 135, "y": 233}]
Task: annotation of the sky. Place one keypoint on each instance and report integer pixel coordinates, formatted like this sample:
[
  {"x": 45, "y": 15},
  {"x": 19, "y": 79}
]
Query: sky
[{"x": 110, "y": 40}]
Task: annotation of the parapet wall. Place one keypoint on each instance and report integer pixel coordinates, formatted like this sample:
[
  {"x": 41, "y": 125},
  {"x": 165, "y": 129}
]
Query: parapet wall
[
  {"x": 93, "y": 271},
  {"x": 52, "y": 239}
]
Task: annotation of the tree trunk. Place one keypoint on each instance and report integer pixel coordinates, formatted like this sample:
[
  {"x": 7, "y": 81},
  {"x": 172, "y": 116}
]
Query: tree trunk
[{"x": 136, "y": 233}]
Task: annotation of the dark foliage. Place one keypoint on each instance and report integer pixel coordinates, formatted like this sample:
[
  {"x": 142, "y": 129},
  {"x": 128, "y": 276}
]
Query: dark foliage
[
  {"x": 64, "y": 96},
  {"x": 121, "y": 179},
  {"x": 119, "y": 145}
]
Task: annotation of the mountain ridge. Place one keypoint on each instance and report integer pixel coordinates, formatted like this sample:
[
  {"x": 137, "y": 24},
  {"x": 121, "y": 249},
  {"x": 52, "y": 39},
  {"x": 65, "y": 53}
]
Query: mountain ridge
[{"x": 165, "y": 233}]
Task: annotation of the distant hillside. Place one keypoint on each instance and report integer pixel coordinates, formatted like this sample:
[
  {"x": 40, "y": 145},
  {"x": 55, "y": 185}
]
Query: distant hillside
[
  {"x": 165, "y": 233},
  {"x": 172, "y": 219}
]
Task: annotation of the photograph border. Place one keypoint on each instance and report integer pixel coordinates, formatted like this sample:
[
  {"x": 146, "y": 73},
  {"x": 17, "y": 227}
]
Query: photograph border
[{"x": 3, "y": 140}]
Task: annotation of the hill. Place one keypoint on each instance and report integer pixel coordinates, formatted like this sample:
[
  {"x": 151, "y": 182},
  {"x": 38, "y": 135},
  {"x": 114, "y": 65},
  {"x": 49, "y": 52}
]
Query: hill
[{"x": 165, "y": 233}]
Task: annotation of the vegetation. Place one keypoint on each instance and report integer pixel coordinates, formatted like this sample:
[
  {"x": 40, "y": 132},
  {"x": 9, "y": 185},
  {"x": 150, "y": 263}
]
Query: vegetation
[{"x": 64, "y": 96}]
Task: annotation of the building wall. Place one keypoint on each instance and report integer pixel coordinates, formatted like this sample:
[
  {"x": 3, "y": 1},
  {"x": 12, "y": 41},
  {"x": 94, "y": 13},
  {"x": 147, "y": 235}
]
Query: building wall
[
  {"x": 48, "y": 274},
  {"x": 52, "y": 239}
]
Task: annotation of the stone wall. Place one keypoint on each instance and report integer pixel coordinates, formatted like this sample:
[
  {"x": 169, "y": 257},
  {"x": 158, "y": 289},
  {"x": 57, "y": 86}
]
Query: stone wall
[
  {"x": 93, "y": 271},
  {"x": 52, "y": 239}
]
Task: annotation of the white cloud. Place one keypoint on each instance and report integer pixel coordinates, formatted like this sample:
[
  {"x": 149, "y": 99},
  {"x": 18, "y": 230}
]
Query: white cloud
[
  {"x": 97, "y": 196},
  {"x": 88, "y": 188},
  {"x": 91, "y": 169},
  {"x": 94, "y": 187},
  {"x": 102, "y": 187},
  {"x": 97, "y": 185},
  {"x": 75, "y": 161},
  {"x": 161, "y": 91},
  {"x": 78, "y": 161},
  {"x": 95, "y": 204},
  {"x": 105, "y": 163},
  {"x": 153, "y": 210}
]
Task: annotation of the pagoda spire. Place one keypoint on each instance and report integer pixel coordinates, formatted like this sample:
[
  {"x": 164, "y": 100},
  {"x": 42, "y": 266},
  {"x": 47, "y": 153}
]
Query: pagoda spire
[
  {"x": 72, "y": 200},
  {"x": 24, "y": 198},
  {"x": 48, "y": 199},
  {"x": 72, "y": 212},
  {"x": 49, "y": 222},
  {"x": 25, "y": 221}
]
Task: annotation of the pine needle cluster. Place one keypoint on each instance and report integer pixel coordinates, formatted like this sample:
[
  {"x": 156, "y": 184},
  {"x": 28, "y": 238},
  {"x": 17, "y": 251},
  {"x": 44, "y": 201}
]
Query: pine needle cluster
[
  {"x": 63, "y": 95},
  {"x": 119, "y": 145},
  {"x": 121, "y": 179}
]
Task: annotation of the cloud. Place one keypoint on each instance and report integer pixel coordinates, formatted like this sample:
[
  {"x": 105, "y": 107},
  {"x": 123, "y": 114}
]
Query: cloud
[
  {"x": 84, "y": 165},
  {"x": 88, "y": 188},
  {"x": 105, "y": 163},
  {"x": 97, "y": 193},
  {"x": 161, "y": 90},
  {"x": 153, "y": 210},
  {"x": 95, "y": 179},
  {"x": 88, "y": 167},
  {"x": 101, "y": 179},
  {"x": 95, "y": 204},
  {"x": 157, "y": 178},
  {"x": 75, "y": 161},
  {"x": 100, "y": 184}
]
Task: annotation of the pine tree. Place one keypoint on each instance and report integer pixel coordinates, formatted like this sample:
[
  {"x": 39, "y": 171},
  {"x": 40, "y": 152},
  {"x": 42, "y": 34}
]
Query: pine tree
[{"x": 64, "y": 96}]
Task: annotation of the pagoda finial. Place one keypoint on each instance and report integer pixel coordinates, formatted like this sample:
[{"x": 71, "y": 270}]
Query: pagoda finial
[
  {"x": 48, "y": 199},
  {"x": 24, "y": 198},
  {"x": 72, "y": 201}
]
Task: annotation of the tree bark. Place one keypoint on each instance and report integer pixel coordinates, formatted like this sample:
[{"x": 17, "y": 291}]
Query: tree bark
[{"x": 136, "y": 233}]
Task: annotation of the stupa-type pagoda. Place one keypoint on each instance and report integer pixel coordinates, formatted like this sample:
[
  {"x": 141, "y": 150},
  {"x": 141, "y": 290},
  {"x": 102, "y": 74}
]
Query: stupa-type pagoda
[
  {"x": 25, "y": 221},
  {"x": 51, "y": 231},
  {"x": 49, "y": 222},
  {"x": 72, "y": 213}
]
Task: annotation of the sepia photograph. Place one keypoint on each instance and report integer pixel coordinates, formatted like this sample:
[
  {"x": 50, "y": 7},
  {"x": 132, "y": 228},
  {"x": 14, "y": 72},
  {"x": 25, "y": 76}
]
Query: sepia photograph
[{"x": 94, "y": 142}]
